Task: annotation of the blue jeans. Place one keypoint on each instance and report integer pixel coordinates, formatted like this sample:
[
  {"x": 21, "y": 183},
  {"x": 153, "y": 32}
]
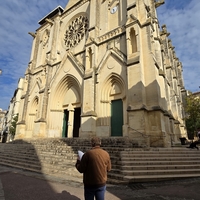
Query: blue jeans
[{"x": 98, "y": 193}]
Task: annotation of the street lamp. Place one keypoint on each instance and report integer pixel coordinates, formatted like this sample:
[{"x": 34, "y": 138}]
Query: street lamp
[{"x": 0, "y": 71}]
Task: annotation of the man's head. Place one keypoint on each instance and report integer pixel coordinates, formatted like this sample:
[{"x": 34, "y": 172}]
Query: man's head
[{"x": 95, "y": 141}]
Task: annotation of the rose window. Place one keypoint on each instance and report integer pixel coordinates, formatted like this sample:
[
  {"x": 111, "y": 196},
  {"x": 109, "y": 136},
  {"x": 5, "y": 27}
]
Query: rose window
[{"x": 76, "y": 31}]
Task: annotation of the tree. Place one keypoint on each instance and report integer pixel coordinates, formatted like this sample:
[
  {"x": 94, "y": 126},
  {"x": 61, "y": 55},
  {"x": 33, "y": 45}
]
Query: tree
[
  {"x": 192, "y": 119},
  {"x": 12, "y": 128}
]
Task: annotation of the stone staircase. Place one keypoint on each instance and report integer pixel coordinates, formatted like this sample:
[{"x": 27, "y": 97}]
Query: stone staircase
[
  {"x": 130, "y": 163},
  {"x": 156, "y": 164}
]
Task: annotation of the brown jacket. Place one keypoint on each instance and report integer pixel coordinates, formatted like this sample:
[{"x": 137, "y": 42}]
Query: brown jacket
[{"x": 94, "y": 165}]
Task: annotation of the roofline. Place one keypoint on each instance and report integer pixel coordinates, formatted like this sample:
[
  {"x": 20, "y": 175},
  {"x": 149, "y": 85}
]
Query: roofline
[
  {"x": 196, "y": 92},
  {"x": 51, "y": 14}
]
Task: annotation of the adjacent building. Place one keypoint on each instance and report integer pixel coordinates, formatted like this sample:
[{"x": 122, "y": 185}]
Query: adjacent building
[
  {"x": 13, "y": 109},
  {"x": 2, "y": 120}
]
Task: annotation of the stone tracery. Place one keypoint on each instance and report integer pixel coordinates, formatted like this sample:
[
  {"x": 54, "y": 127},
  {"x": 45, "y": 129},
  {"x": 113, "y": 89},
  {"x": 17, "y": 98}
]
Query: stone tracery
[{"x": 76, "y": 31}]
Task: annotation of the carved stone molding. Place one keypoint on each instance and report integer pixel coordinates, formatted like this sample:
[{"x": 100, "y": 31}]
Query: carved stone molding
[
  {"x": 111, "y": 34},
  {"x": 74, "y": 8}
]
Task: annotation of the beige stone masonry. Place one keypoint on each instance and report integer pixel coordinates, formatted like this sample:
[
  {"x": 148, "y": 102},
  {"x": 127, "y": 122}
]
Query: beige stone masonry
[{"x": 104, "y": 68}]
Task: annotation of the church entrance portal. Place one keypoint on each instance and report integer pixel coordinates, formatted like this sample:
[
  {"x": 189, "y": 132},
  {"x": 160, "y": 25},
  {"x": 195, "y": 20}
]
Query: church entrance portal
[{"x": 76, "y": 123}]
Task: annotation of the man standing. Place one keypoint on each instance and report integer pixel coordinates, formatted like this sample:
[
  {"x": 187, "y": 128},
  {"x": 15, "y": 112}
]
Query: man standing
[{"x": 94, "y": 165}]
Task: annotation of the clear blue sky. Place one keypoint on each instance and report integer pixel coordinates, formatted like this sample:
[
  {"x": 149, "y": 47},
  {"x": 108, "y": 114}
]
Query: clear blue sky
[{"x": 18, "y": 17}]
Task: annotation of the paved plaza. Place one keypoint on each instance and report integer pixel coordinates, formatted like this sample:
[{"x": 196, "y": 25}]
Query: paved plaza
[{"x": 23, "y": 185}]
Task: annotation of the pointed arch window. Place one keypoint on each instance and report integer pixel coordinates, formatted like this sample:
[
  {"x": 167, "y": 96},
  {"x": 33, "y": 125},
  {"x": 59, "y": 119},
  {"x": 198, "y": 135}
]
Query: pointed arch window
[
  {"x": 133, "y": 41},
  {"x": 90, "y": 57}
]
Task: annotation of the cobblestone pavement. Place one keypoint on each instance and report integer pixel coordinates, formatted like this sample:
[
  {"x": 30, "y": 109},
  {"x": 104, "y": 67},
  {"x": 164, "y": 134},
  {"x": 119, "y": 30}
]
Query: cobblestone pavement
[{"x": 23, "y": 185}]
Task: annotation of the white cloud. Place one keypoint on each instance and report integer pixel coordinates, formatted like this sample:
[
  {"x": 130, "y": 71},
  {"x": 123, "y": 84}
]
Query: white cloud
[
  {"x": 17, "y": 19},
  {"x": 183, "y": 24}
]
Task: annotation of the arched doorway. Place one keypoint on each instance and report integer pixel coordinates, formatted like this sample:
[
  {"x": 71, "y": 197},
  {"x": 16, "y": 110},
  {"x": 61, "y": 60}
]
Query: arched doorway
[
  {"x": 66, "y": 105},
  {"x": 76, "y": 122},
  {"x": 112, "y": 113}
]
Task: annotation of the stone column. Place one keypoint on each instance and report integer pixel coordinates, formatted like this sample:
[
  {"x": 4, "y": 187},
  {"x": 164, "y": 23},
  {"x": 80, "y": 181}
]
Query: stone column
[
  {"x": 26, "y": 98},
  {"x": 70, "y": 121},
  {"x": 49, "y": 71}
]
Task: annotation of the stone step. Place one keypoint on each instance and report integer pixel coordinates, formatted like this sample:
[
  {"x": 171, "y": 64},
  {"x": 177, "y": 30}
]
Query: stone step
[
  {"x": 149, "y": 178},
  {"x": 125, "y": 162},
  {"x": 26, "y": 159},
  {"x": 155, "y": 172},
  {"x": 128, "y": 165},
  {"x": 166, "y": 154},
  {"x": 116, "y": 150},
  {"x": 129, "y": 151},
  {"x": 157, "y": 162},
  {"x": 113, "y": 142},
  {"x": 159, "y": 151},
  {"x": 111, "y": 150},
  {"x": 21, "y": 165},
  {"x": 51, "y": 168},
  {"x": 156, "y": 167},
  {"x": 41, "y": 155},
  {"x": 35, "y": 161},
  {"x": 155, "y": 158},
  {"x": 64, "y": 150},
  {"x": 58, "y": 157}
]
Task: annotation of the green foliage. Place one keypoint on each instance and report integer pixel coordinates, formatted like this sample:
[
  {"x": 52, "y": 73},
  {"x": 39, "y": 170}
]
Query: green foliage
[
  {"x": 192, "y": 115},
  {"x": 12, "y": 128}
]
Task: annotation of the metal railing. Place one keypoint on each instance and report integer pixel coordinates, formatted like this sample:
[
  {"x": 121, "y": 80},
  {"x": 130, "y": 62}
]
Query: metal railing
[{"x": 143, "y": 135}]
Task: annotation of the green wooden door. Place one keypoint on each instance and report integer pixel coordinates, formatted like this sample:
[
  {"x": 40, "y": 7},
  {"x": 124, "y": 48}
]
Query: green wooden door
[
  {"x": 116, "y": 117},
  {"x": 65, "y": 123}
]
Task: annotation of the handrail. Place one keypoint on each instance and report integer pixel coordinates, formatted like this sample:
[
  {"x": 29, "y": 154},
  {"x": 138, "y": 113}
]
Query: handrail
[{"x": 138, "y": 132}]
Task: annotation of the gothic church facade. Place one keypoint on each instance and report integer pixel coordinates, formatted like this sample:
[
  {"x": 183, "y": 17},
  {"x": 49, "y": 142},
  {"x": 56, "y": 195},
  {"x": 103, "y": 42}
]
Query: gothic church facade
[{"x": 103, "y": 68}]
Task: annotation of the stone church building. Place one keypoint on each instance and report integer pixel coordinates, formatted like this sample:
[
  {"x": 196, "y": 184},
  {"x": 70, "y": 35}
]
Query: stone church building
[{"x": 105, "y": 68}]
